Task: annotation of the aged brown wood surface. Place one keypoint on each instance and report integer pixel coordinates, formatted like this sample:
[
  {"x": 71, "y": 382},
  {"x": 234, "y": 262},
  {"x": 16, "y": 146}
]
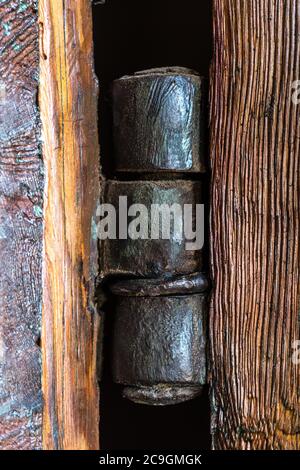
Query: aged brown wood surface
[
  {"x": 21, "y": 190},
  {"x": 255, "y": 149},
  {"x": 68, "y": 101}
]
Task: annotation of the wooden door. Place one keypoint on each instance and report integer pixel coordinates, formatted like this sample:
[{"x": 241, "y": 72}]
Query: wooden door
[{"x": 49, "y": 195}]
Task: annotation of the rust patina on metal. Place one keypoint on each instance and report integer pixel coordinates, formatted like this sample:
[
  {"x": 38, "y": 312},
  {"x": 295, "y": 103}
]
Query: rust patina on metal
[
  {"x": 158, "y": 121},
  {"x": 189, "y": 284},
  {"x": 150, "y": 257},
  {"x": 159, "y": 342},
  {"x": 159, "y": 339}
]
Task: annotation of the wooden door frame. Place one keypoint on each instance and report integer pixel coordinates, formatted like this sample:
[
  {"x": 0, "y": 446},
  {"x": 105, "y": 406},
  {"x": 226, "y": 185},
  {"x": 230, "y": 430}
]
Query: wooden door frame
[
  {"x": 68, "y": 98},
  {"x": 255, "y": 215}
]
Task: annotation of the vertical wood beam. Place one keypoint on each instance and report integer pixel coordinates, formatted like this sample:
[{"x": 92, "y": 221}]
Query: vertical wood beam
[
  {"x": 68, "y": 103},
  {"x": 21, "y": 211},
  {"x": 255, "y": 148}
]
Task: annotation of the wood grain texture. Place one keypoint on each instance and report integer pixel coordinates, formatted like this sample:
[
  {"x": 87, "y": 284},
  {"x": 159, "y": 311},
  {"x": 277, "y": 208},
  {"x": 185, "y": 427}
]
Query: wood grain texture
[
  {"x": 21, "y": 190},
  {"x": 68, "y": 101},
  {"x": 255, "y": 148}
]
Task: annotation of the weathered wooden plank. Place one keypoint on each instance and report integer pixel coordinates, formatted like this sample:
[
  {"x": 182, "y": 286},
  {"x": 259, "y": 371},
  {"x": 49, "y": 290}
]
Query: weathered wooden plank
[
  {"x": 255, "y": 149},
  {"x": 21, "y": 190},
  {"x": 68, "y": 101}
]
